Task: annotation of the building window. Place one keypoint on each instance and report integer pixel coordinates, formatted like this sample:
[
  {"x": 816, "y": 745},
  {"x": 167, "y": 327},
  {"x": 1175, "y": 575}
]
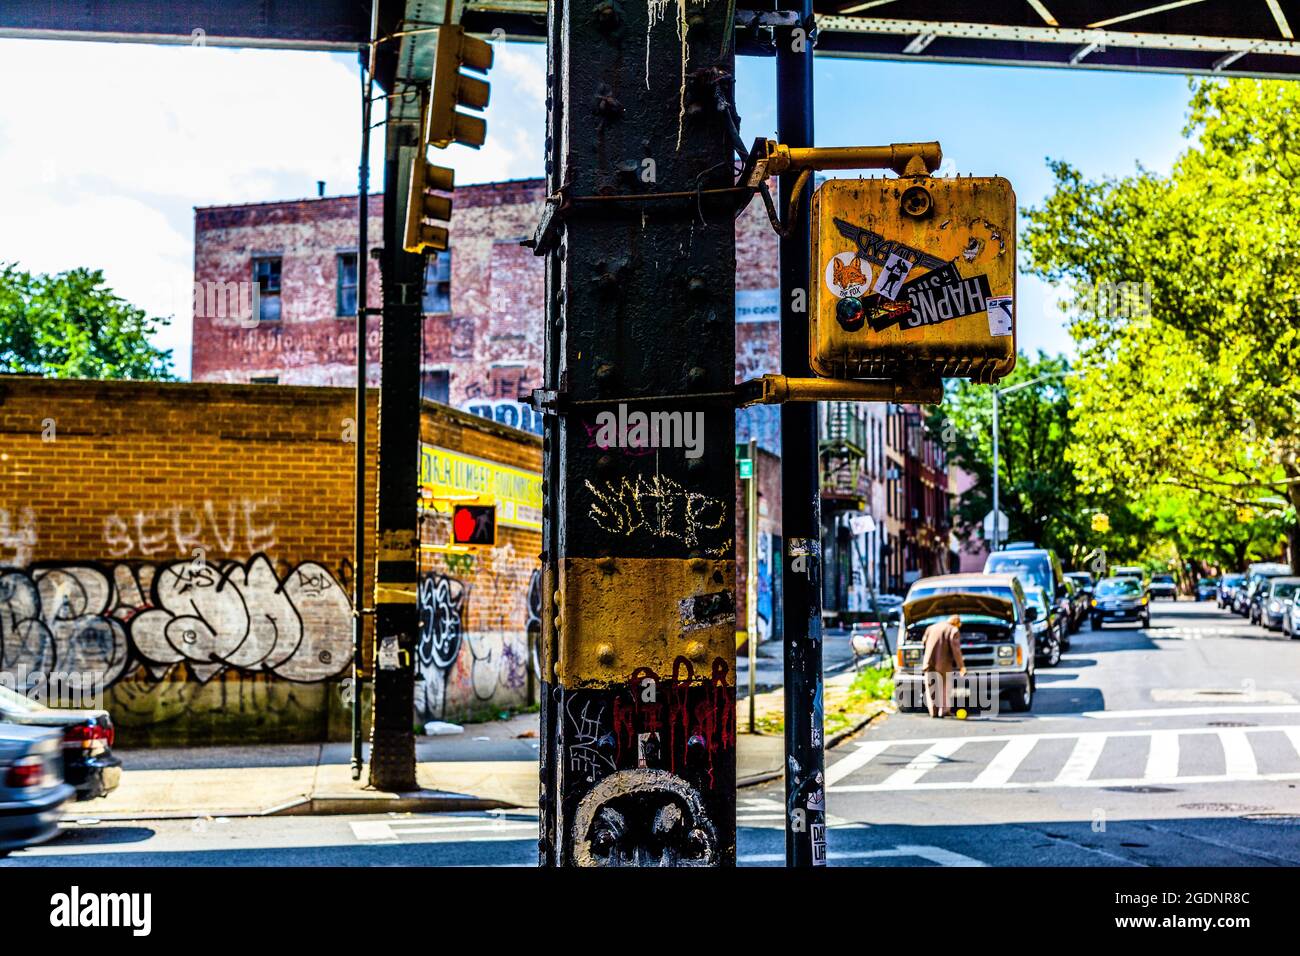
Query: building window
[
  {"x": 346, "y": 293},
  {"x": 264, "y": 380},
  {"x": 435, "y": 385},
  {"x": 266, "y": 273},
  {"x": 437, "y": 284}
]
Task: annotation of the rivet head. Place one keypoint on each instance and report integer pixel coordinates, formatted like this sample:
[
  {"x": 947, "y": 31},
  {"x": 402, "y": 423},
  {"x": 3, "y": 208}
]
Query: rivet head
[{"x": 605, "y": 654}]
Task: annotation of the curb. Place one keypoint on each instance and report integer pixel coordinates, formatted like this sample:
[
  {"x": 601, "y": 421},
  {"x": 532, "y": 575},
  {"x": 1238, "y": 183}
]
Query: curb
[{"x": 322, "y": 804}]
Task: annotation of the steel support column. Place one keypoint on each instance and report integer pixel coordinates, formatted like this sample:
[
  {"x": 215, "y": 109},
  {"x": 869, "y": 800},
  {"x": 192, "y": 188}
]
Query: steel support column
[
  {"x": 639, "y": 699},
  {"x": 392, "y": 755},
  {"x": 805, "y": 790}
]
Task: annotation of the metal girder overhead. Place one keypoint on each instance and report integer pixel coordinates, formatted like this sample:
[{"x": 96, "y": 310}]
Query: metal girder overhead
[
  {"x": 1225, "y": 37},
  {"x": 318, "y": 25}
]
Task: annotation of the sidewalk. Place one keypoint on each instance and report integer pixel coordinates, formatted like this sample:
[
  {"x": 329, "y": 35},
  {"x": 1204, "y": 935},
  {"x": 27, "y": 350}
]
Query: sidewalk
[{"x": 489, "y": 766}]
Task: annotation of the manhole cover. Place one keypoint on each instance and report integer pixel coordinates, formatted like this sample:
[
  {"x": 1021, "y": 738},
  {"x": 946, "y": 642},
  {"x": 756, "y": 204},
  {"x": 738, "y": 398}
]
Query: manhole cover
[
  {"x": 1141, "y": 789},
  {"x": 1230, "y": 723},
  {"x": 1222, "y": 807},
  {"x": 1274, "y": 819}
]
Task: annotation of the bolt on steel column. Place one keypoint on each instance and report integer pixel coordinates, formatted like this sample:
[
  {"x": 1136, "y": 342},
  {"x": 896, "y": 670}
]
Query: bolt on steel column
[
  {"x": 639, "y": 698},
  {"x": 805, "y": 783}
]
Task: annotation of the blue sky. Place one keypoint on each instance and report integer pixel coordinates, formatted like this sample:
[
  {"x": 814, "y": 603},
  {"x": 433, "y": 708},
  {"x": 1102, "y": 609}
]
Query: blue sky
[{"x": 146, "y": 133}]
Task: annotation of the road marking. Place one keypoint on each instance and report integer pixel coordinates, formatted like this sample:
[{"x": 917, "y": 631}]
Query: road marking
[
  {"x": 927, "y": 760},
  {"x": 934, "y": 854},
  {"x": 484, "y": 828},
  {"x": 1181, "y": 711},
  {"x": 1002, "y": 766},
  {"x": 1083, "y": 759},
  {"x": 372, "y": 830},
  {"x": 867, "y": 751},
  {"x": 1162, "y": 758},
  {"x": 1161, "y": 763},
  {"x": 1238, "y": 757}
]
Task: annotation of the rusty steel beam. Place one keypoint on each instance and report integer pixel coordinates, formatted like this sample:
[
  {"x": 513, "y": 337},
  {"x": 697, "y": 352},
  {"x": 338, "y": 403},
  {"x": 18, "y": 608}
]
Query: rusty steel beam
[{"x": 639, "y": 762}]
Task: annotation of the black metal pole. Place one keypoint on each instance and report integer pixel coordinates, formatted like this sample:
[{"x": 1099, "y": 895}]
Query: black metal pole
[
  {"x": 805, "y": 824},
  {"x": 359, "y": 423}
]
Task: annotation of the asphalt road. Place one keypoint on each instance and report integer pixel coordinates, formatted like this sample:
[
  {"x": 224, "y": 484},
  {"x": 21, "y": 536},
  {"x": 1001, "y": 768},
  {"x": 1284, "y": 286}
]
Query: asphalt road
[{"x": 1174, "y": 745}]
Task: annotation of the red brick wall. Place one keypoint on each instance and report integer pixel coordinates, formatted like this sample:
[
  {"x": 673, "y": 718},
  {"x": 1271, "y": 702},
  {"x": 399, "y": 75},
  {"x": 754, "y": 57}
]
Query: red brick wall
[{"x": 191, "y": 546}]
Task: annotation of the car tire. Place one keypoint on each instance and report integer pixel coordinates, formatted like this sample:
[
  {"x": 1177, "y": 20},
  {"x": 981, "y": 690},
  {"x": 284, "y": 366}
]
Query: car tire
[
  {"x": 1146, "y": 621},
  {"x": 1096, "y": 623},
  {"x": 1021, "y": 701}
]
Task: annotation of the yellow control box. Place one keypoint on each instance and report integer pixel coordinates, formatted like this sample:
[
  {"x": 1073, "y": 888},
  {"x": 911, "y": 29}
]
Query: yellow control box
[{"x": 913, "y": 277}]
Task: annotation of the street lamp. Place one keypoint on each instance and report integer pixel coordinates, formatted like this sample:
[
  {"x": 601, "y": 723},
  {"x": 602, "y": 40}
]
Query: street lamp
[{"x": 997, "y": 530}]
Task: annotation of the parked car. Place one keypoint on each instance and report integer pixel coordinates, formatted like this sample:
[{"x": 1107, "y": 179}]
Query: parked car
[
  {"x": 1037, "y": 566},
  {"x": 1083, "y": 579},
  {"x": 32, "y": 789},
  {"x": 996, "y": 640},
  {"x": 1273, "y": 604},
  {"x": 1078, "y": 602},
  {"x": 1120, "y": 599},
  {"x": 1207, "y": 589},
  {"x": 1047, "y": 627},
  {"x": 1163, "y": 586},
  {"x": 1257, "y": 588},
  {"x": 89, "y": 763},
  {"x": 1291, "y": 619},
  {"x": 1229, "y": 584}
]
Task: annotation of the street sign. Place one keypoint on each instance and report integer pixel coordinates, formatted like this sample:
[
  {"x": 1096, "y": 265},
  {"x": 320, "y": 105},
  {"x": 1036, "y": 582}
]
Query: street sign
[
  {"x": 1004, "y": 526},
  {"x": 746, "y": 468},
  {"x": 914, "y": 277},
  {"x": 474, "y": 525}
]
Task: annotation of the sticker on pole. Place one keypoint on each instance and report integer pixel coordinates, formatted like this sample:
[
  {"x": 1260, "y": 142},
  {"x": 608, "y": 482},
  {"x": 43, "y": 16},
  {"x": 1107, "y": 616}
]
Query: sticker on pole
[{"x": 1000, "y": 315}]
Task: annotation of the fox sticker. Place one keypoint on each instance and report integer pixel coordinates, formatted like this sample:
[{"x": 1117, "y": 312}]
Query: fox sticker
[{"x": 848, "y": 274}]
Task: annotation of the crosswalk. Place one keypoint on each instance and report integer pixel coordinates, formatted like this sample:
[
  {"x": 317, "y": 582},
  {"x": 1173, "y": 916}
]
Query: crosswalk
[
  {"x": 1119, "y": 758},
  {"x": 768, "y": 814},
  {"x": 477, "y": 827}
]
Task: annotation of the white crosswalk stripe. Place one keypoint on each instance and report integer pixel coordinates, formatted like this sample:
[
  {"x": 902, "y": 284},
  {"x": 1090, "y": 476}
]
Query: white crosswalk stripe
[
  {"x": 485, "y": 827},
  {"x": 1087, "y": 762}
]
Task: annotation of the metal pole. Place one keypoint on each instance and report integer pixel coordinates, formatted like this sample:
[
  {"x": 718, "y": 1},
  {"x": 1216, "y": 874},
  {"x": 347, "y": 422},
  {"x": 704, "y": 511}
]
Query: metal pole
[
  {"x": 997, "y": 524},
  {"x": 639, "y": 621},
  {"x": 359, "y": 601},
  {"x": 392, "y": 735},
  {"x": 751, "y": 574},
  {"x": 805, "y": 824}
]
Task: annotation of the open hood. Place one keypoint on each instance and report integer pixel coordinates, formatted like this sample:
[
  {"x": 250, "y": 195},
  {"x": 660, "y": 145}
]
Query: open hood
[{"x": 940, "y": 605}]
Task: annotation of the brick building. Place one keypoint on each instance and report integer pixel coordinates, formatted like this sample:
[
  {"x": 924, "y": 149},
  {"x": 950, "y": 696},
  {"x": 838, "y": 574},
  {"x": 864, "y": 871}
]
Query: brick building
[{"x": 189, "y": 547}]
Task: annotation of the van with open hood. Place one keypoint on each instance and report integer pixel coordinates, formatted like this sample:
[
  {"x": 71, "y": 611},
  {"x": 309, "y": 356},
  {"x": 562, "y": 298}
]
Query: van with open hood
[{"x": 997, "y": 640}]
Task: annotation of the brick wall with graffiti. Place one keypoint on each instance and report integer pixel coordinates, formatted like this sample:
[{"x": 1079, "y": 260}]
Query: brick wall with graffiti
[{"x": 188, "y": 549}]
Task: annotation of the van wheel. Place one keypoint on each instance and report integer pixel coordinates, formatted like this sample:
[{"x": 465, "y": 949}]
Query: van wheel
[
  {"x": 1053, "y": 655},
  {"x": 1020, "y": 701}
]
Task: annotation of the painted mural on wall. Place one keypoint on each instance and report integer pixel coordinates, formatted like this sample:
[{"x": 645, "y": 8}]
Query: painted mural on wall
[
  {"x": 108, "y": 620},
  {"x": 459, "y": 669}
]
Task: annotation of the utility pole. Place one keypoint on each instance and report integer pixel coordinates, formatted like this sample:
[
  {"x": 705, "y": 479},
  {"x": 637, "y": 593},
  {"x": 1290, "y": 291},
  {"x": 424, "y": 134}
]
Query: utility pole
[
  {"x": 392, "y": 736},
  {"x": 751, "y": 577},
  {"x": 805, "y": 789},
  {"x": 638, "y": 694}
]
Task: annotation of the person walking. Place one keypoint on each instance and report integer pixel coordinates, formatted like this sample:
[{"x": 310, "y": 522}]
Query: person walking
[{"x": 942, "y": 643}]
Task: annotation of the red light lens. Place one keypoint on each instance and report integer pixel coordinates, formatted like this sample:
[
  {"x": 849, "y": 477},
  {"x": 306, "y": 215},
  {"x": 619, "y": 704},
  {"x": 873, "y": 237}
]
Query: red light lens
[
  {"x": 27, "y": 772},
  {"x": 80, "y": 735}
]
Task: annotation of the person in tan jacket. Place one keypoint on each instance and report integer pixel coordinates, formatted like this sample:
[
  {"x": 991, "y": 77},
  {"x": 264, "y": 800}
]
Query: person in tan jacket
[{"x": 942, "y": 643}]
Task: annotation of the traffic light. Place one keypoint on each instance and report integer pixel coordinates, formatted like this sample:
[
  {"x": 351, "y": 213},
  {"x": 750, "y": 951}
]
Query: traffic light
[
  {"x": 445, "y": 124},
  {"x": 474, "y": 525},
  {"x": 422, "y": 204}
]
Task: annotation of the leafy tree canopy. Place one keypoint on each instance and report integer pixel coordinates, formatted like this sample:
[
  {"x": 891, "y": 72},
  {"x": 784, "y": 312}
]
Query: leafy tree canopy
[
  {"x": 71, "y": 325},
  {"x": 1185, "y": 291}
]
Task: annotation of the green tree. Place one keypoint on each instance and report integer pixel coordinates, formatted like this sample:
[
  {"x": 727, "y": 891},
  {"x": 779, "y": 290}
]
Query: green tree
[
  {"x": 1190, "y": 384},
  {"x": 1039, "y": 492},
  {"x": 71, "y": 325}
]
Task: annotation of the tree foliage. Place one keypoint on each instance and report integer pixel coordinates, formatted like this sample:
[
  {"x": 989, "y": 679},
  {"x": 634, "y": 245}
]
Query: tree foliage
[
  {"x": 1194, "y": 394},
  {"x": 71, "y": 325}
]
